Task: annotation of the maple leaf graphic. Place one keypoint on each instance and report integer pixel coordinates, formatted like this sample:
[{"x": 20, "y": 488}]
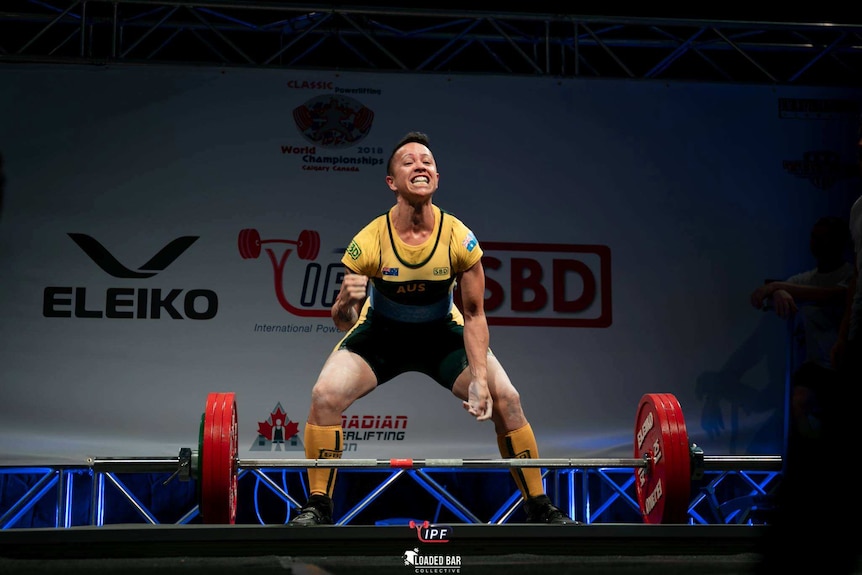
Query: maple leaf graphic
[
  {"x": 265, "y": 428},
  {"x": 278, "y": 414},
  {"x": 291, "y": 429}
]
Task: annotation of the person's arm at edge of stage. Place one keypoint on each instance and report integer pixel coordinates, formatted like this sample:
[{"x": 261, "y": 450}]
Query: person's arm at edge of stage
[
  {"x": 837, "y": 351},
  {"x": 476, "y": 339}
]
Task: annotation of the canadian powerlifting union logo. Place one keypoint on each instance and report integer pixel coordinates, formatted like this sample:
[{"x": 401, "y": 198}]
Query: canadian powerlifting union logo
[{"x": 277, "y": 433}]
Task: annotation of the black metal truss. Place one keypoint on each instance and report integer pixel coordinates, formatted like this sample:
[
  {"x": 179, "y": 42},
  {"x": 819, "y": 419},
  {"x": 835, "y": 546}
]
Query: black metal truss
[{"x": 391, "y": 39}]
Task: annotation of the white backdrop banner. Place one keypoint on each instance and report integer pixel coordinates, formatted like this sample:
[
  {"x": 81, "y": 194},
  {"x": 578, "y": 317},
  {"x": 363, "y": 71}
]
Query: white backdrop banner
[{"x": 170, "y": 232}]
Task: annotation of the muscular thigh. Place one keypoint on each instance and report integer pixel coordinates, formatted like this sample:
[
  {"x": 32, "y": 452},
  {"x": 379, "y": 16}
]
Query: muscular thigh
[
  {"x": 345, "y": 377},
  {"x": 499, "y": 384}
]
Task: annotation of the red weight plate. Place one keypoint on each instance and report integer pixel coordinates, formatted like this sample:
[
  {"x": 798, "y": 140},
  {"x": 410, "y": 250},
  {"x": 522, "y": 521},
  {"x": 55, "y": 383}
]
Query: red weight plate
[
  {"x": 233, "y": 459},
  {"x": 217, "y": 494},
  {"x": 663, "y": 487},
  {"x": 208, "y": 503},
  {"x": 229, "y": 456},
  {"x": 228, "y": 447},
  {"x": 219, "y": 463},
  {"x": 675, "y": 505},
  {"x": 671, "y": 444},
  {"x": 678, "y": 475},
  {"x": 650, "y": 430}
]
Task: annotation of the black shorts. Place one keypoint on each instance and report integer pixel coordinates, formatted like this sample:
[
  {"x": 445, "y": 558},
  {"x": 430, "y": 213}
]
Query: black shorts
[{"x": 393, "y": 347}]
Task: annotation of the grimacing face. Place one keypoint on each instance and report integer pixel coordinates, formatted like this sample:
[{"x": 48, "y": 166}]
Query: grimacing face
[{"x": 414, "y": 170}]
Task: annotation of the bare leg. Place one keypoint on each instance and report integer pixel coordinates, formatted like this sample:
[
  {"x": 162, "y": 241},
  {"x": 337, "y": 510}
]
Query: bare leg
[
  {"x": 515, "y": 438},
  {"x": 507, "y": 413},
  {"x": 345, "y": 377}
]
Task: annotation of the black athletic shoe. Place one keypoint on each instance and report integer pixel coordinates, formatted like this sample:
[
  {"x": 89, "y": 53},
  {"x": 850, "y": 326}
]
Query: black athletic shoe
[
  {"x": 317, "y": 511},
  {"x": 539, "y": 509}
]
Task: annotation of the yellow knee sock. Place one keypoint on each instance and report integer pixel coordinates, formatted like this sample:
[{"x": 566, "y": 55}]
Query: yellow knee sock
[
  {"x": 322, "y": 442},
  {"x": 521, "y": 444}
]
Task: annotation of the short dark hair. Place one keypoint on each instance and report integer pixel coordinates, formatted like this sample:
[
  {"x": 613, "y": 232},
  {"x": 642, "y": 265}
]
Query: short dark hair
[
  {"x": 838, "y": 229},
  {"x": 418, "y": 137}
]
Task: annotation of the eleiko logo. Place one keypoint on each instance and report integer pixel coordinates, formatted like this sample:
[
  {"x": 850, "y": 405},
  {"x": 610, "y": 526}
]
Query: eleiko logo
[
  {"x": 130, "y": 302},
  {"x": 109, "y": 264}
]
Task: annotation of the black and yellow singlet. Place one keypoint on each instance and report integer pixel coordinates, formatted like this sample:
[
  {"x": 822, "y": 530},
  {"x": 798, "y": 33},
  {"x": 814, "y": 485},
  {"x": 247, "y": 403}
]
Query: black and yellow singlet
[{"x": 410, "y": 322}]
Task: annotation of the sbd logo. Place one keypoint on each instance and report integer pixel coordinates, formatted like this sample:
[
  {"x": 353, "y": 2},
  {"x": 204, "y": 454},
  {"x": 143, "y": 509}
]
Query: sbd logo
[{"x": 547, "y": 285}]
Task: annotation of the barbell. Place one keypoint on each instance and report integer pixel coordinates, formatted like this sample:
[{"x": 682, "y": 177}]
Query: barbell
[
  {"x": 307, "y": 245},
  {"x": 664, "y": 462}
]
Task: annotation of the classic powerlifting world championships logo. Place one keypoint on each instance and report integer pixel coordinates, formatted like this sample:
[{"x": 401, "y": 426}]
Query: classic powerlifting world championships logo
[
  {"x": 335, "y": 122},
  {"x": 547, "y": 285},
  {"x": 130, "y": 301}
]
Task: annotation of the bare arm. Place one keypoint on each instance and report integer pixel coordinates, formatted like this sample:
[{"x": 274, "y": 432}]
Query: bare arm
[
  {"x": 803, "y": 293},
  {"x": 837, "y": 352},
  {"x": 476, "y": 337},
  {"x": 348, "y": 303},
  {"x": 787, "y": 296}
]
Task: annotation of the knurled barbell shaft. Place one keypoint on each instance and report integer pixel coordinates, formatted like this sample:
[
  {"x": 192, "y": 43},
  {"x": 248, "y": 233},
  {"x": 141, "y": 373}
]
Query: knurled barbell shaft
[
  {"x": 441, "y": 463},
  {"x": 169, "y": 464}
]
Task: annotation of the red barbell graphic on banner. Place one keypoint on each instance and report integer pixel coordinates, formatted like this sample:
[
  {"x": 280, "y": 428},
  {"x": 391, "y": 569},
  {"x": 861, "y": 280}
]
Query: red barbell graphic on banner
[{"x": 307, "y": 245}]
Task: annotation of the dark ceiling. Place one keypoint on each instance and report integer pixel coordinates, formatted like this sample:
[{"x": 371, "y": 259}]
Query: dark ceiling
[{"x": 801, "y": 45}]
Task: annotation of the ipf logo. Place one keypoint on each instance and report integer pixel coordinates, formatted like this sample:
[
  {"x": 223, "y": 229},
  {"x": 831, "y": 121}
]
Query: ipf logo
[
  {"x": 428, "y": 533},
  {"x": 313, "y": 290}
]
